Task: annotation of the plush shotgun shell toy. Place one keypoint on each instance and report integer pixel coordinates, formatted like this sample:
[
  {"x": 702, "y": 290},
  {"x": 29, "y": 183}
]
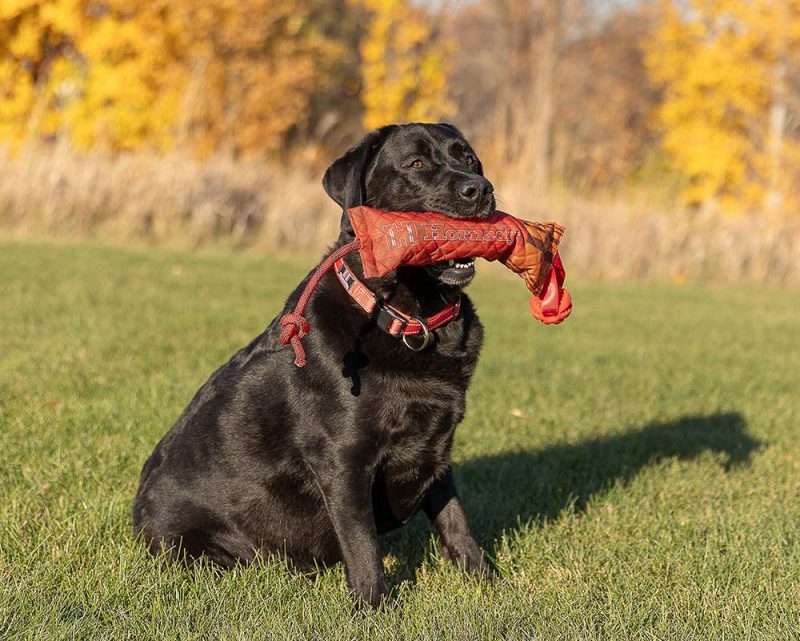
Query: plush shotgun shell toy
[
  {"x": 387, "y": 240},
  {"x": 390, "y": 239}
]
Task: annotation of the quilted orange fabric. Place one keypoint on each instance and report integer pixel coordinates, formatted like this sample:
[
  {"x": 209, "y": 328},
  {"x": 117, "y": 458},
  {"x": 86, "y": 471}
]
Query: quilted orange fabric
[{"x": 391, "y": 239}]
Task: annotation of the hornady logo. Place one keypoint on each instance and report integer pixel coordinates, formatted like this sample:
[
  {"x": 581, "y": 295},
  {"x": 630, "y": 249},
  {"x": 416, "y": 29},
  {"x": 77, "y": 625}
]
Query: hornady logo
[{"x": 399, "y": 235}]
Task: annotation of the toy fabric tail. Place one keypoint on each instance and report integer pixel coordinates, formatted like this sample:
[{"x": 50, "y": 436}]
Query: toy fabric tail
[{"x": 554, "y": 303}]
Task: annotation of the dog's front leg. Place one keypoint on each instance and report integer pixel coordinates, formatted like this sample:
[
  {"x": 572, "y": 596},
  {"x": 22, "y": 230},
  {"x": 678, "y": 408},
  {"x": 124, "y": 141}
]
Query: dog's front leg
[
  {"x": 347, "y": 490},
  {"x": 447, "y": 513}
]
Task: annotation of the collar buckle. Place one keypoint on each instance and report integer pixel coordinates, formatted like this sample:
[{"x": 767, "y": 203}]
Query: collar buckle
[{"x": 389, "y": 320}]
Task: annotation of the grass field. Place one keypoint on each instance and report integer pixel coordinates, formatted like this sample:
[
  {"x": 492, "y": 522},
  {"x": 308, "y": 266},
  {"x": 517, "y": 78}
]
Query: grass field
[{"x": 634, "y": 473}]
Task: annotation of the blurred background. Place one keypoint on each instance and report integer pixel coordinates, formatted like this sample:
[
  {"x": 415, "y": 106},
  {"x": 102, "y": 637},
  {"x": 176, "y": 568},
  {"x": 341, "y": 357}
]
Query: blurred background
[{"x": 665, "y": 135}]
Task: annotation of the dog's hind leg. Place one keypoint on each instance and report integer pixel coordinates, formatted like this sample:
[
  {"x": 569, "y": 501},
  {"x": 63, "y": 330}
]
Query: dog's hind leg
[
  {"x": 187, "y": 531},
  {"x": 222, "y": 545}
]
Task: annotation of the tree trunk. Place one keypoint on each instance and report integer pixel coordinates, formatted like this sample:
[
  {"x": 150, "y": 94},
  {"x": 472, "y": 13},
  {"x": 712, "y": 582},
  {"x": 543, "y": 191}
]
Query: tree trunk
[
  {"x": 777, "y": 128},
  {"x": 539, "y": 141}
]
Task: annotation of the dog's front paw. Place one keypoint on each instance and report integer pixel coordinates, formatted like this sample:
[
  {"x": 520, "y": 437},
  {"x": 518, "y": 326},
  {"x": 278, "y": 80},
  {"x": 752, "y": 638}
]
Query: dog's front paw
[
  {"x": 369, "y": 593},
  {"x": 470, "y": 558}
]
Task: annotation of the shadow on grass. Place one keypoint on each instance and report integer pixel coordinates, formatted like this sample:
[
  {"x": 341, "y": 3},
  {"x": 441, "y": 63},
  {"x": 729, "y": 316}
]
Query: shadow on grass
[{"x": 504, "y": 491}]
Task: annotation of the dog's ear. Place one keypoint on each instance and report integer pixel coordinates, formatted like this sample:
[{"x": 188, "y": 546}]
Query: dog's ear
[{"x": 344, "y": 179}]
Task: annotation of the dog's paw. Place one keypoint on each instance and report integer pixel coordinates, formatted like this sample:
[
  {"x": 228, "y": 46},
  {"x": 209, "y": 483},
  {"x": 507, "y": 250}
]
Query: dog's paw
[
  {"x": 482, "y": 568},
  {"x": 367, "y": 593},
  {"x": 472, "y": 560}
]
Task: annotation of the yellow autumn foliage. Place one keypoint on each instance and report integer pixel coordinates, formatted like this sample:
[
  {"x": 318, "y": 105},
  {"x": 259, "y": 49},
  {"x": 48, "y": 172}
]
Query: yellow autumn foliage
[
  {"x": 103, "y": 72},
  {"x": 403, "y": 67},
  {"x": 254, "y": 68},
  {"x": 723, "y": 67},
  {"x": 236, "y": 75},
  {"x": 152, "y": 73}
]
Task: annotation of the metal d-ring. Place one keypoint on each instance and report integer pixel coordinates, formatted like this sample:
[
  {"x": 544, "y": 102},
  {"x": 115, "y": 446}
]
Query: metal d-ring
[{"x": 426, "y": 336}]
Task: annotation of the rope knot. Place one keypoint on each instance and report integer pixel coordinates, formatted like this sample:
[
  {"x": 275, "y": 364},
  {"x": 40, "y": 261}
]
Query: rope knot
[
  {"x": 293, "y": 324},
  {"x": 293, "y": 327}
]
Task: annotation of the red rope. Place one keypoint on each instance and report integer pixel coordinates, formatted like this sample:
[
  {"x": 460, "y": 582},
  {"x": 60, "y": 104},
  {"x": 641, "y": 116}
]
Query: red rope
[{"x": 294, "y": 326}]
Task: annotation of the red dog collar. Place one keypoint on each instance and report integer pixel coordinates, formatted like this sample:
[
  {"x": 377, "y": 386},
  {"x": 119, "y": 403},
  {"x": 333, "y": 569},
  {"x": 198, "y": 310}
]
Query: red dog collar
[{"x": 389, "y": 318}]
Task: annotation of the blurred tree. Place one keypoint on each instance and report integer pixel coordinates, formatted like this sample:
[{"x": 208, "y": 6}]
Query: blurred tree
[
  {"x": 35, "y": 37},
  {"x": 533, "y": 35},
  {"x": 210, "y": 74},
  {"x": 604, "y": 101},
  {"x": 128, "y": 84},
  {"x": 554, "y": 91},
  {"x": 403, "y": 65},
  {"x": 335, "y": 117},
  {"x": 730, "y": 116},
  {"x": 253, "y": 68},
  {"x": 102, "y": 71}
]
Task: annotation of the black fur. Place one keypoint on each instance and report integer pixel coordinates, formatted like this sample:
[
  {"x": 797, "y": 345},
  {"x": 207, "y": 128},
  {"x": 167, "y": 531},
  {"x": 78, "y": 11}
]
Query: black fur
[{"x": 315, "y": 462}]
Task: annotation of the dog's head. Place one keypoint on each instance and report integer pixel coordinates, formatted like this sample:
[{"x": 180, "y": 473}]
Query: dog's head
[{"x": 417, "y": 167}]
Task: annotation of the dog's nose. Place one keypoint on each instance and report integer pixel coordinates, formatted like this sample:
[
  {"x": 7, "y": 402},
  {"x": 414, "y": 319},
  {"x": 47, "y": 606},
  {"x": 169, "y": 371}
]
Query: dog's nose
[{"x": 474, "y": 189}]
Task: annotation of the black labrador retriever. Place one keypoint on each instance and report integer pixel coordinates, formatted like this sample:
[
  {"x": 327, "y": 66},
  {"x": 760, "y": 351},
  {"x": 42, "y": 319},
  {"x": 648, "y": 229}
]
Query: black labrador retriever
[{"x": 314, "y": 463}]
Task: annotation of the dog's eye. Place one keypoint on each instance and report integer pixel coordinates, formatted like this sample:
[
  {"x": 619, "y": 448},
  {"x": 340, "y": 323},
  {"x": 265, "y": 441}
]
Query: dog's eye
[
  {"x": 417, "y": 164},
  {"x": 469, "y": 160}
]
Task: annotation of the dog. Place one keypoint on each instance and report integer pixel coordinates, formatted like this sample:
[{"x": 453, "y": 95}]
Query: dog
[{"x": 314, "y": 463}]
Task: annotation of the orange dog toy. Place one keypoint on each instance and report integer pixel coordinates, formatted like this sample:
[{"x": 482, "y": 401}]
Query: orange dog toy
[{"x": 391, "y": 239}]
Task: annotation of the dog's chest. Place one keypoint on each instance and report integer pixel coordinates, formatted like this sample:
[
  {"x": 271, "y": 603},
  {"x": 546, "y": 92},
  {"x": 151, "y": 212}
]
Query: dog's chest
[
  {"x": 418, "y": 428},
  {"x": 416, "y": 403},
  {"x": 415, "y": 431}
]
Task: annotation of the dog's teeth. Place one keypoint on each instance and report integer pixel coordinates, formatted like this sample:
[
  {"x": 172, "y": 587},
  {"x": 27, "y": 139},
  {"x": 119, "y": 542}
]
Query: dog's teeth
[{"x": 460, "y": 264}]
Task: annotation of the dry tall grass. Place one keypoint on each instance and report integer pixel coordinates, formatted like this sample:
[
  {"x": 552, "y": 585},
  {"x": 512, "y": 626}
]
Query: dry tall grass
[
  {"x": 172, "y": 199},
  {"x": 639, "y": 238},
  {"x": 179, "y": 200}
]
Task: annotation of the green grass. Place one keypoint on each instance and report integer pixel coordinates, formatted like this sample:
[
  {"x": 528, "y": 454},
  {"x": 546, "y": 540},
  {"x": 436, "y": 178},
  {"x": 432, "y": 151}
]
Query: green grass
[{"x": 634, "y": 473}]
